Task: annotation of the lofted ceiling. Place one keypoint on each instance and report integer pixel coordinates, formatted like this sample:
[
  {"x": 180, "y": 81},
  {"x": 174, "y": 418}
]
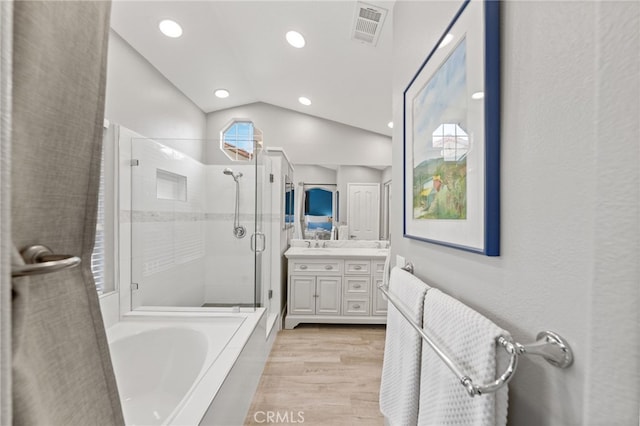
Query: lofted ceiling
[{"x": 240, "y": 46}]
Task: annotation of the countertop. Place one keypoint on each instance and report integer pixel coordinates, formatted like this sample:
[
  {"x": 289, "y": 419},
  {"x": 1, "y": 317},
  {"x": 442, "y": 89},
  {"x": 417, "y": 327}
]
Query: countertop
[{"x": 336, "y": 252}]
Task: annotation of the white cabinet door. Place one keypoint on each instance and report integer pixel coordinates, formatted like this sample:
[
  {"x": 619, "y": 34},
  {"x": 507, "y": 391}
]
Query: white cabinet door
[
  {"x": 303, "y": 295},
  {"x": 363, "y": 211},
  {"x": 379, "y": 302},
  {"x": 329, "y": 292}
]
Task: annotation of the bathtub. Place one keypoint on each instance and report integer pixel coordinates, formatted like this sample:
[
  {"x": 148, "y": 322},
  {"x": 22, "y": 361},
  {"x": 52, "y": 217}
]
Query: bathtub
[{"x": 170, "y": 365}]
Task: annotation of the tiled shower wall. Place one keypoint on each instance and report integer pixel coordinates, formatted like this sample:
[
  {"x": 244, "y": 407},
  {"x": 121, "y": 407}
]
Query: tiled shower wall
[
  {"x": 184, "y": 252},
  {"x": 229, "y": 260},
  {"x": 168, "y": 242}
]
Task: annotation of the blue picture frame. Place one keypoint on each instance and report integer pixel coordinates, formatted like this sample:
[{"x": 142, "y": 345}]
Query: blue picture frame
[{"x": 451, "y": 163}]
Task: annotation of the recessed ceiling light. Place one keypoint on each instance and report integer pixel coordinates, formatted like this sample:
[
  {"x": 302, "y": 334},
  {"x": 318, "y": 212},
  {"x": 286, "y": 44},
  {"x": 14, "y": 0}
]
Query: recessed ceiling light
[
  {"x": 477, "y": 95},
  {"x": 304, "y": 101},
  {"x": 295, "y": 39},
  {"x": 446, "y": 40},
  {"x": 221, "y": 93},
  {"x": 170, "y": 28},
  {"x": 390, "y": 124}
]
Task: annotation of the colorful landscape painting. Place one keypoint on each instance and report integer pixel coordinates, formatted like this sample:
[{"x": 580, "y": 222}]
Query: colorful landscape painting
[{"x": 441, "y": 142}]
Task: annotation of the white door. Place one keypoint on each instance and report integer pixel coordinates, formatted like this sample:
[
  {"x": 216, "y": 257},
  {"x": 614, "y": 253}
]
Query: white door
[{"x": 363, "y": 211}]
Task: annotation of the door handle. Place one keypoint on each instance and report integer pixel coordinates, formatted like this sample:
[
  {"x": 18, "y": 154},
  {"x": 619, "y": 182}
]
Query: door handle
[
  {"x": 254, "y": 238},
  {"x": 40, "y": 259}
]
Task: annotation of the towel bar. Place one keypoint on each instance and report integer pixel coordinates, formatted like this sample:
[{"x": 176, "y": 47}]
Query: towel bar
[{"x": 549, "y": 345}]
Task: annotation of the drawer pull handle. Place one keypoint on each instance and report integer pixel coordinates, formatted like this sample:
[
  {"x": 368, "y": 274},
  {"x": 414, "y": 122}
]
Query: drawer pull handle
[
  {"x": 356, "y": 306},
  {"x": 357, "y": 286},
  {"x": 357, "y": 267},
  {"x": 303, "y": 266},
  {"x": 328, "y": 267}
]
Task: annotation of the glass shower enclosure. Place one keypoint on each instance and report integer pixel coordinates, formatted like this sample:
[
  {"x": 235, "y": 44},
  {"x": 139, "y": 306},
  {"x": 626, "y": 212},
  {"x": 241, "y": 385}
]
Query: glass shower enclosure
[{"x": 198, "y": 237}]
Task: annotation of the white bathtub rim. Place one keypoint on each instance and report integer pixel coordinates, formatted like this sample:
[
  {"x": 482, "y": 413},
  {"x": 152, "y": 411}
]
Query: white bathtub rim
[{"x": 208, "y": 382}]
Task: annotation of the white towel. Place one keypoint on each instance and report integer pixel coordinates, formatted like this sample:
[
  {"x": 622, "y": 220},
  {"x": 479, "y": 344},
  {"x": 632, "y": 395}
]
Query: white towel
[
  {"x": 400, "y": 386},
  {"x": 469, "y": 340}
]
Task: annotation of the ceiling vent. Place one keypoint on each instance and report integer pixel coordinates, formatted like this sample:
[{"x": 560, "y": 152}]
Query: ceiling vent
[{"x": 368, "y": 23}]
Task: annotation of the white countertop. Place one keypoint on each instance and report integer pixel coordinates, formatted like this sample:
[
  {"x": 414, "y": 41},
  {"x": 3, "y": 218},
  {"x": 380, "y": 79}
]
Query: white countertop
[{"x": 339, "y": 252}]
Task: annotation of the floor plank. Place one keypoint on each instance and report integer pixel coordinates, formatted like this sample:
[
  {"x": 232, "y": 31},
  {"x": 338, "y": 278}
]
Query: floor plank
[{"x": 321, "y": 375}]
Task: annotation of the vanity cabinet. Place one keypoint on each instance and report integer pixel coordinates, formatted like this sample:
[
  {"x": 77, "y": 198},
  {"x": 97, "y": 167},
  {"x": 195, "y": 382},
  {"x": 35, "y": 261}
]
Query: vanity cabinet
[
  {"x": 378, "y": 301},
  {"x": 315, "y": 295},
  {"x": 333, "y": 290}
]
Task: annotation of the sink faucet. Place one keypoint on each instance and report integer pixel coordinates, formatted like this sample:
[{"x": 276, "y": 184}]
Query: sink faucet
[
  {"x": 324, "y": 244},
  {"x": 317, "y": 242},
  {"x": 308, "y": 243}
]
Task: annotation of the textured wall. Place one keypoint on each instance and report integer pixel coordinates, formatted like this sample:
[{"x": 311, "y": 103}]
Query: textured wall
[{"x": 569, "y": 172}]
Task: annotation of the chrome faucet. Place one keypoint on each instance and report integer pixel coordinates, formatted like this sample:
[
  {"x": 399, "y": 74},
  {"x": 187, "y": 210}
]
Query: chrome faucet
[
  {"x": 317, "y": 242},
  {"x": 308, "y": 243},
  {"x": 324, "y": 244}
]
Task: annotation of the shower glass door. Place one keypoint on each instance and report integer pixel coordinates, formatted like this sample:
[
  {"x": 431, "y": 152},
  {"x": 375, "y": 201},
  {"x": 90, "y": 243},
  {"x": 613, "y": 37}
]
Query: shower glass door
[{"x": 197, "y": 236}]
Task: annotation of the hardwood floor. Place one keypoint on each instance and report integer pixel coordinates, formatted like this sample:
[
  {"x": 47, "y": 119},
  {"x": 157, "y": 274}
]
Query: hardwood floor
[{"x": 325, "y": 375}]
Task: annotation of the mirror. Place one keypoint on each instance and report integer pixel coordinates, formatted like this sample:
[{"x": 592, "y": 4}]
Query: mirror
[
  {"x": 320, "y": 210},
  {"x": 289, "y": 197},
  {"x": 326, "y": 214}
]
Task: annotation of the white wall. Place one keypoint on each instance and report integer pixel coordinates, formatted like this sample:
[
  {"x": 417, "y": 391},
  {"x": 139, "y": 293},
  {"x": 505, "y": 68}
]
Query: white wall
[
  {"x": 143, "y": 100},
  {"x": 313, "y": 174},
  {"x": 306, "y": 139},
  {"x": 569, "y": 173}
]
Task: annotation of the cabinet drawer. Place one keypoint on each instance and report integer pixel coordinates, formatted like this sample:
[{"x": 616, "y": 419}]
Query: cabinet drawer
[
  {"x": 378, "y": 267},
  {"x": 332, "y": 266},
  {"x": 355, "y": 306},
  {"x": 356, "y": 285},
  {"x": 357, "y": 267}
]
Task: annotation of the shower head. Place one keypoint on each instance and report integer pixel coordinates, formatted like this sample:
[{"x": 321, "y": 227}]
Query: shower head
[{"x": 229, "y": 172}]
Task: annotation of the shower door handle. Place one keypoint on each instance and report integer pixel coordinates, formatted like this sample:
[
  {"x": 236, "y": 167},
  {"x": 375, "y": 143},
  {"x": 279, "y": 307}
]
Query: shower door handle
[{"x": 254, "y": 247}]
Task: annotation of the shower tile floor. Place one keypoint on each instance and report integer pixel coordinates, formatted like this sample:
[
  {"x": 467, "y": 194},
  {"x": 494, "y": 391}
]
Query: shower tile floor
[{"x": 325, "y": 375}]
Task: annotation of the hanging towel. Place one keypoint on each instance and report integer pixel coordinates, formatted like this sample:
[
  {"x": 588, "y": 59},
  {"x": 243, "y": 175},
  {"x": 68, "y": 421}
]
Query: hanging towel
[
  {"x": 400, "y": 386},
  {"x": 343, "y": 232},
  {"x": 468, "y": 338}
]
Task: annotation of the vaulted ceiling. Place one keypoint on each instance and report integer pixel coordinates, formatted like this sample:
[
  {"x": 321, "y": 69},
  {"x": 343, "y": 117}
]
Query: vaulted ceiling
[{"x": 240, "y": 46}]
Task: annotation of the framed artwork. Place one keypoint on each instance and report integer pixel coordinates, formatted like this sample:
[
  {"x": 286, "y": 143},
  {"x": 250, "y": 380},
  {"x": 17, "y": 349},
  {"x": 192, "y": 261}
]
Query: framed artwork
[{"x": 452, "y": 136}]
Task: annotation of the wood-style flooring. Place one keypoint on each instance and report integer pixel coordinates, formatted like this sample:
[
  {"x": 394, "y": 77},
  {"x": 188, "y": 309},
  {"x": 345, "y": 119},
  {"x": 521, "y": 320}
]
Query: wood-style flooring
[{"x": 326, "y": 375}]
